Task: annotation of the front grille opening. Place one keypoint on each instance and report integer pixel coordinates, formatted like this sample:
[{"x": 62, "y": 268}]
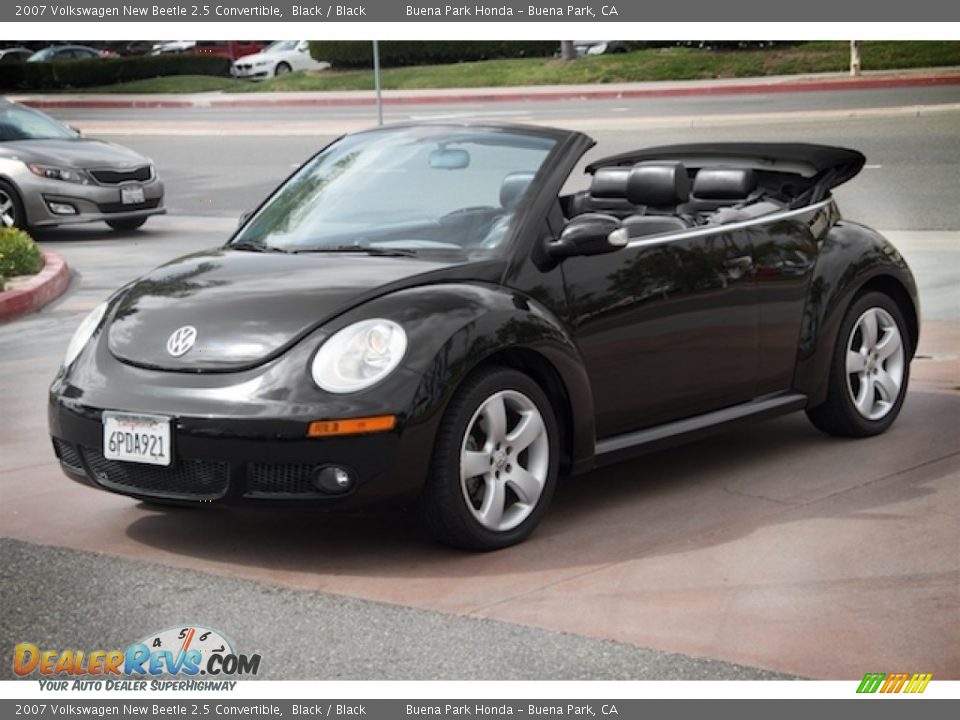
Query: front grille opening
[
  {"x": 281, "y": 480},
  {"x": 117, "y": 207},
  {"x": 68, "y": 454},
  {"x": 115, "y": 177},
  {"x": 184, "y": 480}
]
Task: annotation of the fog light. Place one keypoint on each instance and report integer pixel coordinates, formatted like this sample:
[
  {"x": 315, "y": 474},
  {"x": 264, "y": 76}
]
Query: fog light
[
  {"x": 333, "y": 479},
  {"x": 60, "y": 208}
]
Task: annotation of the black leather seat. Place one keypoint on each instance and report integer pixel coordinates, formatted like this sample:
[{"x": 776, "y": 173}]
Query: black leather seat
[
  {"x": 607, "y": 194},
  {"x": 512, "y": 190},
  {"x": 715, "y": 188},
  {"x": 661, "y": 188}
]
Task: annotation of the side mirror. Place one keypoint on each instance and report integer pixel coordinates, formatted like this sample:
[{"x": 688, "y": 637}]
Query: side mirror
[
  {"x": 76, "y": 130},
  {"x": 243, "y": 218},
  {"x": 589, "y": 234}
]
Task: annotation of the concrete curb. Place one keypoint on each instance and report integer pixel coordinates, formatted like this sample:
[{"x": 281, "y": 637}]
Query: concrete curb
[
  {"x": 486, "y": 95},
  {"x": 42, "y": 288}
]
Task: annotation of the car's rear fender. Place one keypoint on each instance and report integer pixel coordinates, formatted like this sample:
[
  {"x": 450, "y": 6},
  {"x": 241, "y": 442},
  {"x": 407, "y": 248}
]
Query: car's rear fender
[{"x": 852, "y": 258}]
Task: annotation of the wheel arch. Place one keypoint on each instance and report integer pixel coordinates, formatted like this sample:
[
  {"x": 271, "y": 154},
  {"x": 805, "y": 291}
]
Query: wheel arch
[
  {"x": 852, "y": 259},
  {"x": 456, "y": 328},
  {"x": 537, "y": 367},
  {"x": 895, "y": 290}
]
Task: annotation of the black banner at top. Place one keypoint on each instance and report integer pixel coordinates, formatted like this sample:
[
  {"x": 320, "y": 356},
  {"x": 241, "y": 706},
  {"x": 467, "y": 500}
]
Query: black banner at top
[{"x": 258, "y": 11}]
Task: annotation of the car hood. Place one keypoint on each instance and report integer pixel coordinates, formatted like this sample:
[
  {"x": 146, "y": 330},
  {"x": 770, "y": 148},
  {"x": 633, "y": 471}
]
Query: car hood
[
  {"x": 248, "y": 307},
  {"x": 73, "y": 152},
  {"x": 257, "y": 57}
]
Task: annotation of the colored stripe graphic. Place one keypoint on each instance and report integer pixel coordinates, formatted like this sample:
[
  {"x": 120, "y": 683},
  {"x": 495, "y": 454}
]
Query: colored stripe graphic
[
  {"x": 918, "y": 683},
  {"x": 871, "y": 682},
  {"x": 894, "y": 683}
]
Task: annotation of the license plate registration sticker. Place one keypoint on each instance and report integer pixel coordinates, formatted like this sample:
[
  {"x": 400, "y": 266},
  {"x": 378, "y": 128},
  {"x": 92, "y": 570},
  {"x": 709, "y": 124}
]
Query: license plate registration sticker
[
  {"x": 131, "y": 195},
  {"x": 129, "y": 437}
]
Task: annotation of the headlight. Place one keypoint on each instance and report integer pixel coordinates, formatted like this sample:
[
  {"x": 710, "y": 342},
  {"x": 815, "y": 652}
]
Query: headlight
[
  {"x": 83, "y": 333},
  {"x": 60, "y": 173},
  {"x": 359, "y": 355}
]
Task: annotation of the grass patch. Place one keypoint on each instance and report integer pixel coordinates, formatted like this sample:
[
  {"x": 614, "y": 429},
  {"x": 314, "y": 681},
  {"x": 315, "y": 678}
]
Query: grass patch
[
  {"x": 674, "y": 63},
  {"x": 169, "y": 84}
]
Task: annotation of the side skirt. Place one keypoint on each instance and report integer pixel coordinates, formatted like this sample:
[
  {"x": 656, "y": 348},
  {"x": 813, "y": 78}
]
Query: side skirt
[{"x": 620, "y": 447}]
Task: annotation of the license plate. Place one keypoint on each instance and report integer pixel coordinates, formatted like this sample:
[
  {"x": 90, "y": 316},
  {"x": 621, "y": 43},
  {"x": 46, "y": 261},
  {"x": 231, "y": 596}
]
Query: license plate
[
  {"x": 137, "y": 438},
  {"x": 131, "y": 195}
]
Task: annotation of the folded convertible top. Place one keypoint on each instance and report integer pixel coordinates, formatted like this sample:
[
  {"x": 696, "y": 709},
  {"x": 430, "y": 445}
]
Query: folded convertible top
[{"x": 824, "y": 166}]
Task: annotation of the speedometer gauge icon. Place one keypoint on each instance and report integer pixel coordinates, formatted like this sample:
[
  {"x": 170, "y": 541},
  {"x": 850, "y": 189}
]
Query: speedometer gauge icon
[{"x": 180, "y": 640}]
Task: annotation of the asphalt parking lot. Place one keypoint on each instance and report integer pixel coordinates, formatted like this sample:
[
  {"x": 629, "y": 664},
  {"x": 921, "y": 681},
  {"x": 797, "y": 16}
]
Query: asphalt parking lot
[{"x": 764, "y": 551}]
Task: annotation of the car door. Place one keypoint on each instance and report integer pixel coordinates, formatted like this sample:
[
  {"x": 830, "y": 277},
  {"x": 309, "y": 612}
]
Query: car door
[{"x": 667, "y": 326}]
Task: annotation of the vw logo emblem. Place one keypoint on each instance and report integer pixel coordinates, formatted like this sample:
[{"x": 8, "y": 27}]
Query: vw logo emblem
[{"x": 181, "y": 340}]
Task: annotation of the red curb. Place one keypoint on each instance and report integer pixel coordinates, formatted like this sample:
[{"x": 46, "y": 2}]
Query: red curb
[
  {"x": 47, "y": 285},
  {"x": 600, "y": 94},
  {"x": 264, "y": 100}
]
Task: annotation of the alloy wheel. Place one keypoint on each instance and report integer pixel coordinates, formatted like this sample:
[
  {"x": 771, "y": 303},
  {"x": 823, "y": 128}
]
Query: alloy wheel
[
  {"x": 875, "y": 363},
  {"x": 8, "y": 211},
  {"x": 504, "y": 460}
]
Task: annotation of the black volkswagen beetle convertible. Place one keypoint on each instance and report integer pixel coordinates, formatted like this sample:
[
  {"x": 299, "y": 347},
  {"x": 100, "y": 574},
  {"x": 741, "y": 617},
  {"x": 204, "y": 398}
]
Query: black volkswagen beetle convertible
[{"x": 419, "y": 315}]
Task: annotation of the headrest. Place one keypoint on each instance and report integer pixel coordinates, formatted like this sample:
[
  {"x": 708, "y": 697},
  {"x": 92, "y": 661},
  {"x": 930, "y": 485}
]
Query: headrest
[
  {"x": 724, "y": 184},
  {"x": 658, "y": 184},
  {"x": 609, "y": 182},
  {"x": 513, "y": 188}
]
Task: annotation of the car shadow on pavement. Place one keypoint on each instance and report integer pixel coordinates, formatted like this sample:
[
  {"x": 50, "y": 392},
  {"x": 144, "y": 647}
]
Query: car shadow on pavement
[
  {"x": 703, "y": 494},
  {"x": 91, "y": 233}
]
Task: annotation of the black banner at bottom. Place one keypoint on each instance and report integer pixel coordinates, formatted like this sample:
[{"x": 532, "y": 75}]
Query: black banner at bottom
[{"x": 875, "y": 708}]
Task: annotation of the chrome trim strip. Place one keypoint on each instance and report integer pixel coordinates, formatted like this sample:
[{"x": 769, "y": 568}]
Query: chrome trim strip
[
  {"x": 712, "y": 230},
  {"x": 785, "y": 402}
]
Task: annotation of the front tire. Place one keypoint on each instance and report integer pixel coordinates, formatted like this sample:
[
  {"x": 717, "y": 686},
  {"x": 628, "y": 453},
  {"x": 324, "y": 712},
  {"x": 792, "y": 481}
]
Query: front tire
[
  {"x": 282, "y": 69},
  {"x": 12, "y": 213},
  {"x": 870, "y": 370},
  {"x": 127, "y": 224},
  {"x": 494, "y": 466}
]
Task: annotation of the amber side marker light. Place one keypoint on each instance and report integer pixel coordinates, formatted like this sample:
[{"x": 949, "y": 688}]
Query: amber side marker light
[{"x": 352, "y": 426}]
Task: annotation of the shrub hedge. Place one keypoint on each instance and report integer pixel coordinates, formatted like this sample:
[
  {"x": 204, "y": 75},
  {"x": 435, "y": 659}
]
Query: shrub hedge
[
  {"x": 106, "y": 71},
  {"x": 395, "y": 53},
  {"x": 19, "y": 254}
]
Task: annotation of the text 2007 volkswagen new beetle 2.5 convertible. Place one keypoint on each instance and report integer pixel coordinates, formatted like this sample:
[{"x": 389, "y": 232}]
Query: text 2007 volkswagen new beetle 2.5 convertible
[{"x": 419, "y": 317}]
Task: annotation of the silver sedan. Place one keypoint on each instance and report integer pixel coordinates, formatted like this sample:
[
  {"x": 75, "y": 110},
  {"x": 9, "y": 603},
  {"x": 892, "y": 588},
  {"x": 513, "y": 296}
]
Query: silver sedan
[{"x": 50, "y": 175}]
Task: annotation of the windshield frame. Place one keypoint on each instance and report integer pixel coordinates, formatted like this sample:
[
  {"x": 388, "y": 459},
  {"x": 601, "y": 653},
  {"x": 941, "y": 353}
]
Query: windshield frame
[{"x": 560, "y": 139}]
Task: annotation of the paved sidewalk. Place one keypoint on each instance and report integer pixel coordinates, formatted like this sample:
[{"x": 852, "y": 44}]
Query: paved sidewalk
[{"x": 725, "y": 86}]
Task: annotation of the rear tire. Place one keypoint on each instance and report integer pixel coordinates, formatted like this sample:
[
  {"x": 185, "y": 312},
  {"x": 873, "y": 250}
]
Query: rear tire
[
  {"x": 127, "y": 224},
  {"x": 494, "y": 465},
  {"x": 12, "y": 213},
  {"x": 870, "y": 370}
]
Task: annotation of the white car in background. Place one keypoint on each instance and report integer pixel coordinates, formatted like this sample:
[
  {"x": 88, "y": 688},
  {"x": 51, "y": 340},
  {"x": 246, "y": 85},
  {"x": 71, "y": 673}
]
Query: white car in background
[
  {"x": 279, "y": 58},
  {"x": 173, "y": 47}
]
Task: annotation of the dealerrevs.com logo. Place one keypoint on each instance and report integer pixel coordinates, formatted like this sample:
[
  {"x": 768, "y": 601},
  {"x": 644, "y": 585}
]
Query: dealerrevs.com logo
[{"x": 186, "y": 652}]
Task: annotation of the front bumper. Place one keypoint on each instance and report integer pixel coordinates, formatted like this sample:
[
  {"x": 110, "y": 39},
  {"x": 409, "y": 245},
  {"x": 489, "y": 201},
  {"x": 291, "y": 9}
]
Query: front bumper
[
  {"x": 251, "y": 72},
  {"x": 92, "y": 203},
  {"x": 240, "y": 436},
  {"x": 217, "y": 461}
]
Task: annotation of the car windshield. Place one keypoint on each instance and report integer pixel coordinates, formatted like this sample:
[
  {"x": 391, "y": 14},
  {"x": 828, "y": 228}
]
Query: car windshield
[
  {"x": 282, "y": 46},
  {"x": 43, "y": 55},
  {"x": 20, "y": 123},
  {"x": 428, "y": 188}
]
